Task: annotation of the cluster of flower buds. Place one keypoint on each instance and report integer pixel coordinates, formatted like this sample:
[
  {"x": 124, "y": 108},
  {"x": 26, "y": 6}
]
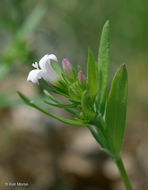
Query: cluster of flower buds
[{"x": 64, "y": 81}]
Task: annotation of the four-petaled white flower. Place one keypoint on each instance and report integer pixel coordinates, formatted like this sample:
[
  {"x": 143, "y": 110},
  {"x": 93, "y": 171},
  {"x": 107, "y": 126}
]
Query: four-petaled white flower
[{"x": 45, "y": 71}]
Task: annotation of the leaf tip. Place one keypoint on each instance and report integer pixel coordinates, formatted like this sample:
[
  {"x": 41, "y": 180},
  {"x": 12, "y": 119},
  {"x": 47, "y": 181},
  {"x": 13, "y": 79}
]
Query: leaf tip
[
  {"x": 123, "y": 68},
  {"x": 89, "y": 51},
  {"x": 19, "y": 93},
  {"x": 107, "y": 22}
]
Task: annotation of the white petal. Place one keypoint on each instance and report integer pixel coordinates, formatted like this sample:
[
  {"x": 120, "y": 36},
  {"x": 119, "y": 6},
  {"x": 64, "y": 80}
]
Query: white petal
[
  {"x": 34, "y": 76},
  {"x": 37, "y": 74},
  {"x": 45, "y": 62},
  {"x": 50, "y": 76},
  {"x": 53, "y": 57}
]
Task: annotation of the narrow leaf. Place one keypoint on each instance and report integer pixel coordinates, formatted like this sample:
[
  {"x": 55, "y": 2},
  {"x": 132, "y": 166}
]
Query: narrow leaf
[
  {"x": 87, "y": 106},
  {"x": 74, "y": 112},
  {"x": 50, "y": 96},
  {"x": 116, "y": 110},
  {"x": 95, "y": 135},
  {"x": 91, "y": 72},
  {"x": 64, "y": 120},
  {"x": 44, "y": 85},
  {"x": 61, "y": 105},
  {"x": 103, "y": 67}
]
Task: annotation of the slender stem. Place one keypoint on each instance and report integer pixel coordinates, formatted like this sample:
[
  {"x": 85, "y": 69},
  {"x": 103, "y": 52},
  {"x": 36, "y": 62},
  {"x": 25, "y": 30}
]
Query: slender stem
[{"x": 123, "y": 173}]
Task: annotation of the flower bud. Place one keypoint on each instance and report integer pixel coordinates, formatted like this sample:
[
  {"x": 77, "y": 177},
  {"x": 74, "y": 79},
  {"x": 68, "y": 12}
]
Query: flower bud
[
  {"x": 74, "y": 91},
  {"x": 81, "y": 77},
  {"x": 67, "y": 66}
]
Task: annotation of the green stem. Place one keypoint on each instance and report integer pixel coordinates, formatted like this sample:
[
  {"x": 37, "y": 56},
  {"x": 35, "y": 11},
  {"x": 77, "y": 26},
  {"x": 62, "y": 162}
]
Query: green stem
[{"x": 123, "y": 173}]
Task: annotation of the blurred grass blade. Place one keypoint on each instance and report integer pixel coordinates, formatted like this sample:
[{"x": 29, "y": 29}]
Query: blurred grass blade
[
  {"x": 116, "y": 110},
  {"x": 7, "y": 101},
  {"x": 103, "y": 67},
  {"x": 64, "y": 120},
  {"x": 91, "y": 73},
  {"x": 32, "y": 21},
  {"x": 4, "y": 71}
]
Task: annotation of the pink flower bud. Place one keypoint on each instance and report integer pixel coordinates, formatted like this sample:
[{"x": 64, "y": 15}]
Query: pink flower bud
[
  {"x": 67, "y": 66},
  {"x": 81, "y": 77},
  {"x": 74, "y": 91}
]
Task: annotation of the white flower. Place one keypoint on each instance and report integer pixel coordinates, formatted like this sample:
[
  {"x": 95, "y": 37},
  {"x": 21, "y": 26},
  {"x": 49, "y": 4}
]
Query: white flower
[{"x": 45, "y": 71}]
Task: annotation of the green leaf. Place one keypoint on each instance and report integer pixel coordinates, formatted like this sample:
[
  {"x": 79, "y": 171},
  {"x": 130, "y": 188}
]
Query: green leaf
[
  {"x": 103, "y": 67},
  {"x": 99, "y": 137},
  {"x": 116, "y": 110},
  {"x": 61, "y": 105},
  {"x": 87, "y": 106},
  {"x": 50, "y": 96},
  {"x": 79, "y": 68},
  {"x": 56, "y": 67},
  {"x": 74, "y": 112},
  {"x": 75, "y": 92},
  {"x": 64, "y": 120},
  {"x": 95, "y": 135},
  {"x": 91, "y": 73},
  {"x": 44, "y": 85}
]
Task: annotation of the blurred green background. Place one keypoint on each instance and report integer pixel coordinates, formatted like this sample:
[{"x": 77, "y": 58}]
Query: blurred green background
[{"x": 40, "y": 151}]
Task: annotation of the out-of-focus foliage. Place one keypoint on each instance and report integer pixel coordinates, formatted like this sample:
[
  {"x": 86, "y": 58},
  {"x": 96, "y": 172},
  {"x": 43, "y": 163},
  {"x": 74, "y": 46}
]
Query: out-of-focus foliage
[
  {"x": 29, "y": 29},
  {"x": 67, "y": 28},
  {"x": 17, "y": 51}
]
